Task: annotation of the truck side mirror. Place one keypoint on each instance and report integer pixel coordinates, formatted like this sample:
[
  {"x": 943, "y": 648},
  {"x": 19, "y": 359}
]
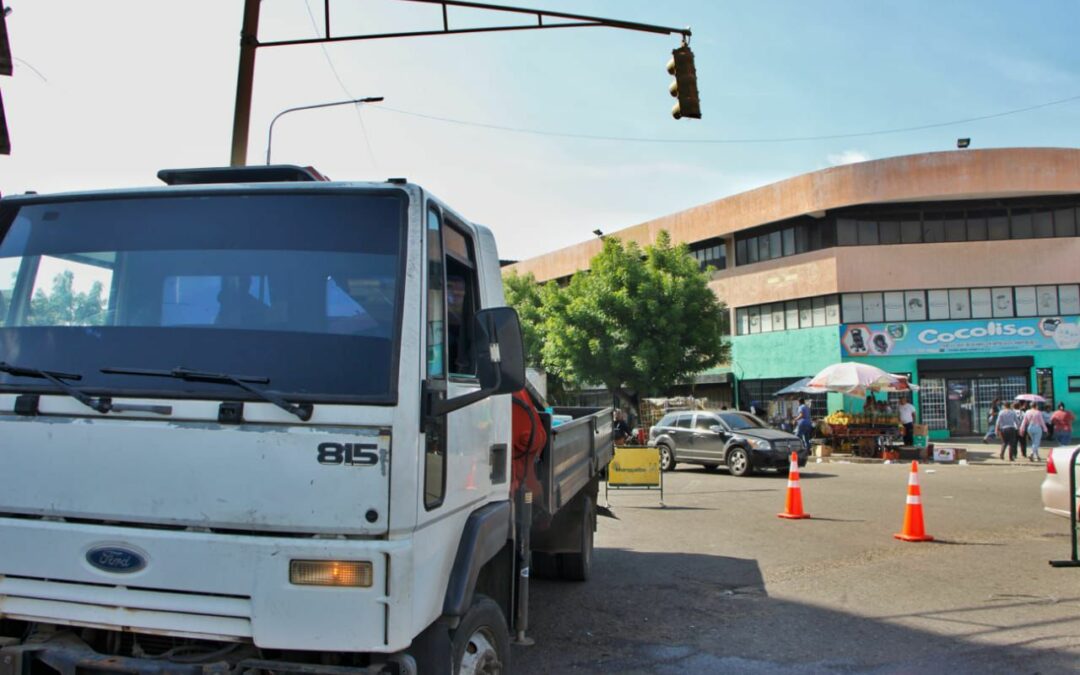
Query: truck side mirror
[
  {"x": 500, "y": 359},
  {"x": 500, "y": 354}
]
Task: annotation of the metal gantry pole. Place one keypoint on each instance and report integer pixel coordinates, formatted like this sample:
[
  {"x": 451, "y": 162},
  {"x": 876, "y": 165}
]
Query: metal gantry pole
[{"x": 249, "y": 43}]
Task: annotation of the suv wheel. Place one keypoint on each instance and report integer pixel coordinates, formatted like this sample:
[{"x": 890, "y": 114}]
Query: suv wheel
[
  {"x": 667, "y": 457},
  {"x": 738, "y": 462}
]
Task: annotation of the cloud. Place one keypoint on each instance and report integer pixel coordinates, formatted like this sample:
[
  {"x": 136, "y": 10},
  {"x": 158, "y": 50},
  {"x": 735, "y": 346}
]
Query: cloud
[{"x": 847, "y": 157}]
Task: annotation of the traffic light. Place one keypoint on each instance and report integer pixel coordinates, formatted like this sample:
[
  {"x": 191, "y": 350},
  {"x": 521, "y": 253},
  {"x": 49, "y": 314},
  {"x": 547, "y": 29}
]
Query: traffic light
[
  {"x": 5, "y": 69},
  {"x": 684, "y": 88}
]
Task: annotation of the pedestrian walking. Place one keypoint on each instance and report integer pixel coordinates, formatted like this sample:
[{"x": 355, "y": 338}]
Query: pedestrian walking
[
  {"x": 804, "y": 424},
  {"x": 1062, "y": 421},
  {"x": 1033, "y": 425},
  {"x": 991, "y": 421},
  {"x": 1021, "y": 438},
  {"x": 1008, "y": 424}
]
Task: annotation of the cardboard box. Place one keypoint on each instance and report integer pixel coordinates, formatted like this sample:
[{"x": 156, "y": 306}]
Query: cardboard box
[
  {"x": 945, "y": 455},
  {"x": 920, "y": 430},
  {"x": 823, "y": 451}
]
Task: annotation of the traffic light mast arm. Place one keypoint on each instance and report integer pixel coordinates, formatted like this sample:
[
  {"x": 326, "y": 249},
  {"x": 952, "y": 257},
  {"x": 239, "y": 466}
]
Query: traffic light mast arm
[
  {"x": 568, "y": 21},
  {"x": 249, "y": 43}
]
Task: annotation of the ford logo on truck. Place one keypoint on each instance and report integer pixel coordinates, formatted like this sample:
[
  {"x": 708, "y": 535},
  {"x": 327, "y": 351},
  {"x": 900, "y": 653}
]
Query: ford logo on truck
[{"x": 115, "y": 559}]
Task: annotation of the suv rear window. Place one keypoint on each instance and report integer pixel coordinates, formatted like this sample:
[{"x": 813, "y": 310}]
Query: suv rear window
[
  {"x": 705, "y": 422},
  {"x": 683, "y": 422}
]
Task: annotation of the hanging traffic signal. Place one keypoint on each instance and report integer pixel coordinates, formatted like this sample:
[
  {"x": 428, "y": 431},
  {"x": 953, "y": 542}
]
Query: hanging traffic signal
[
  {"x": 5, "y": 69},
  {"x": 684, "y": 88}
]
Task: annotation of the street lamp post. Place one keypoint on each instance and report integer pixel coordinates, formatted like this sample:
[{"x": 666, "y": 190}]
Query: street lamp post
[{"x": 270, "y": 134}]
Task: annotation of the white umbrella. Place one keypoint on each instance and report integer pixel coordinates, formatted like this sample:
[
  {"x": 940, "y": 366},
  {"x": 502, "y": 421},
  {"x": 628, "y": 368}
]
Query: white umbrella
[
  {"x": 855, "y": 379},
  {"x": 1034, "y": 398}
]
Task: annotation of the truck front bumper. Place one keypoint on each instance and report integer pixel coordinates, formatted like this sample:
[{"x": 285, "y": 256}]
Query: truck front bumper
[
  {"x": 204, "y": 585},
  {"x": 64, "y": 653}
]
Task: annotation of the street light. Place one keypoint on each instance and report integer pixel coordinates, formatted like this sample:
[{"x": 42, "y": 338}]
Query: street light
[
  {"x": 599, "y": 233},
  {"x": 963, "y": 143},
  {"x": 270, "y": 135}
]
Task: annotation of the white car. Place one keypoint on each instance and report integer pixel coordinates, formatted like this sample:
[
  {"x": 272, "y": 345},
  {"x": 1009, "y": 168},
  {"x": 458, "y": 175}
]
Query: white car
[{"x": 1055, "y": 487}]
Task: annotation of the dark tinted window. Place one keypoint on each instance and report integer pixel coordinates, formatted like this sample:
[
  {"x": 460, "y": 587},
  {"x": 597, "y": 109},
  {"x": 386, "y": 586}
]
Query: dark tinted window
[
  {"x": 847, "y": 233},
  {"x": 738, "y": 420},
  {"x": 976, "y": 227},
  {"x": 775, "y": 247},
  {"x": 301, "y": 289},
  {"x": 1065, "y": 222},
  {"x": 890, "y": 231},
  {"x": 789, "y": 241},
  {"x": 683, "y": 421},
  {"x": 868, "y": 232},
  {"x": 910, "y": 231},
  {"x": 954, "y": 228},
  {"x": 933, "y": 228},
  {"x": 740, "y": 252},
  {"x": 1021, "y": 224},
  {"x": 997, "y": 224},
  {"x": 1043, "y": 223}
]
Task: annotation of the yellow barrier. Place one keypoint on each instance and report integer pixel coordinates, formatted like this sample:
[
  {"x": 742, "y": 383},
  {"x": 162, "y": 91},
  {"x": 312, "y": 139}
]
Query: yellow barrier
[{"x": 635, "y": 468}]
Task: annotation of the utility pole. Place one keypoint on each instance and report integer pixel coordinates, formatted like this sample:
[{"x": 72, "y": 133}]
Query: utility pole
[{"x": 249, "y": 43}]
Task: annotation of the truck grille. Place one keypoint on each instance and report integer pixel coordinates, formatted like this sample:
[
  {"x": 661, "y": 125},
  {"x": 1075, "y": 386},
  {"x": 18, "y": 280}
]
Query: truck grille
[{"x": 181, "y": 614}]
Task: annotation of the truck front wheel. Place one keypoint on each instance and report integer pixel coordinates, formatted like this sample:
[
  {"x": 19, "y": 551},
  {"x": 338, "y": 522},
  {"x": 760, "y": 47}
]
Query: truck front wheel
[{"x": 481, "y": 642}]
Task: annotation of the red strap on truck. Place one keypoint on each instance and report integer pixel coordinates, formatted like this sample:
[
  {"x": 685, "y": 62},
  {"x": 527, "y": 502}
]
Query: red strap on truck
[{"x": 529, "y": 439}]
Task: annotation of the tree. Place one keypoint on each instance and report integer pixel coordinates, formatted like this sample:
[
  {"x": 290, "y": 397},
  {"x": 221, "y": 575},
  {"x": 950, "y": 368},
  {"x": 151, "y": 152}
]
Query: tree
[
  {"x": 64, "y": 307},
  {"x": 523, "y": 294},
  {"x": 637, "y": 322}
]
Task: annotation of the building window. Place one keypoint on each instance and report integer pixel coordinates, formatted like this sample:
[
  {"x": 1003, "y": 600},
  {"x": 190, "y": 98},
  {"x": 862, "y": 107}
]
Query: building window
[
  {"x": 889, "y": 231},
  {"x": 1003, "y": 302},
  {"x": 954, "y": 228},
  {"x": 894, "y": 306},
  {"x": 1069, "y": 299},
  {"x": 959, "y": 304},
  {"x": 933, "y": 229},
  {"x": 911, "y": 231},
  {"x": 915, "y": 305},
  {"x": 851, "y": 305},
  {"x": 997, "y": 224},
  {"x": 1065, "y": 223},
  {"x": 982, "y": 304},
  {"x": 847, "y": 233},
  {"x": 1021, "y": 224},
  {"x": 1043, "y": 224},
  {"x": 873, "y": 307},
  {"x": 868, "y": 232},
  {"x": 932, "y": 402}
]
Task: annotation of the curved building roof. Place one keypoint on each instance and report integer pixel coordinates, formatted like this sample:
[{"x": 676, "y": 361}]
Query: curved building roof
[{"x": 958, "y": 174}]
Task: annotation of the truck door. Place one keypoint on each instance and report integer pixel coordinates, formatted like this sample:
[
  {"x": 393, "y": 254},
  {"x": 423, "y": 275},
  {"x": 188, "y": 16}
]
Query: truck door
[{"x": 458, "y": 456}]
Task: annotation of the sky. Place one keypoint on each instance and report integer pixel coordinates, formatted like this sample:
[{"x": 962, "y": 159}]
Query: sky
[{"x": 105, "y": 94}]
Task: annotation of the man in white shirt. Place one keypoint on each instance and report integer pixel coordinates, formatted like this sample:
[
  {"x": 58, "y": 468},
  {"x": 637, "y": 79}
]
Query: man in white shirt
[{"x": 907, "y": 418}]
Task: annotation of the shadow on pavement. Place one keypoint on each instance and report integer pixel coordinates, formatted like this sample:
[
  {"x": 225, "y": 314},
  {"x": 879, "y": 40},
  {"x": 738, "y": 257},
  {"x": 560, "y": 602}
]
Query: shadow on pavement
[{"x": 655, "y": 612}]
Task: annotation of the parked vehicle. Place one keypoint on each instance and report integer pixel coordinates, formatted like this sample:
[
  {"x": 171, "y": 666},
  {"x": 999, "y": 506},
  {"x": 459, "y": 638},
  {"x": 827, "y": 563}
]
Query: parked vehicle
[
  {"x": 713, "y": 438},
  {"x": 254, "y": 421},
  {"x": 1055, "y": 486}
]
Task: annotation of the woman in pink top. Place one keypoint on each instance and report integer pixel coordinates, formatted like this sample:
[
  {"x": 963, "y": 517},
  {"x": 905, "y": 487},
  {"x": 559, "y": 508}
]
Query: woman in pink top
[{"x": 1035, "y": 427}]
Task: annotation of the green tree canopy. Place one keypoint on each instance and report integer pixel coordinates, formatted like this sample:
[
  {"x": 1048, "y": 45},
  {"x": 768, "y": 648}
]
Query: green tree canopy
[
  {"x": 637, "y": 320},
  {"x": 523, "y": 294}
]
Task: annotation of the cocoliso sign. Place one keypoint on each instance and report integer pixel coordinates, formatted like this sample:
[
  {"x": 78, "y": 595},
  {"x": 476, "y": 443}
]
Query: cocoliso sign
[{"x": 951, "y": 337}]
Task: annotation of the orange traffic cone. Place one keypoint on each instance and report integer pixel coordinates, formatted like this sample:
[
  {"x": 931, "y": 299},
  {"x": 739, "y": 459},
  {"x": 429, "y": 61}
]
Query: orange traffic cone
[
  {"x": 793, "y": 503},
  {"x": 913, "y": 520}
]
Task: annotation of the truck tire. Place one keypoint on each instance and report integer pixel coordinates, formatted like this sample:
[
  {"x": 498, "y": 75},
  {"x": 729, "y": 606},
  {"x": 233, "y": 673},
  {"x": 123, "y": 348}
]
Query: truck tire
[
  {"x": 481, "y": 642},
  {"x": 576, "y": 566}
]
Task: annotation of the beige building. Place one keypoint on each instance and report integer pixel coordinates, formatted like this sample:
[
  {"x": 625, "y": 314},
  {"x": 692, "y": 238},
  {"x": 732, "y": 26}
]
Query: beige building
[{"x": 893, "y": 248}]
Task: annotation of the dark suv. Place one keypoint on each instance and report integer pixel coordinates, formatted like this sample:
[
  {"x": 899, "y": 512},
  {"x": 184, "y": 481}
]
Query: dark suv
[{"x": 736, "y": 439}]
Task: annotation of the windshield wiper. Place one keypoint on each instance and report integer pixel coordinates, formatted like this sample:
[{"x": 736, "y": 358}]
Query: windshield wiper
[
  {"x": 242, "y": 381},
  {"x": 102, "y": 404}
]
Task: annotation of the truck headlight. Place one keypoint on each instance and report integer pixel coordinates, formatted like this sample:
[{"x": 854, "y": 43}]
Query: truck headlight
[{"x": 330, "y": 573}]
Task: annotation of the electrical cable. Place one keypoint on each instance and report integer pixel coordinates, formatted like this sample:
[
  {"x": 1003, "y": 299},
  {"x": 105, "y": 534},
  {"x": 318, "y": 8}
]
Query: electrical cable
[
  {"x": 723, "y": 141},
  {"x": 341, "y": 83}
]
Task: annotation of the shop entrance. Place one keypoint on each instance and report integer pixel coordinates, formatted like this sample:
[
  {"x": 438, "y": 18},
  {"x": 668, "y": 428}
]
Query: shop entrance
[
  {"x": 956, "y": 394},
  {"x": 968, "y": 401}
]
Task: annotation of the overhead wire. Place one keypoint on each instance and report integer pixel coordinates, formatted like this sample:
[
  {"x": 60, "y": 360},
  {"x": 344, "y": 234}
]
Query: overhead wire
[
  {"x": 344, "y": 88},
  {"x": 722, "y": 141}
]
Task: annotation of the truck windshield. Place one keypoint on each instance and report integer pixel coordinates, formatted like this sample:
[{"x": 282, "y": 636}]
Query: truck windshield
[{"x": 303, "y": 288}]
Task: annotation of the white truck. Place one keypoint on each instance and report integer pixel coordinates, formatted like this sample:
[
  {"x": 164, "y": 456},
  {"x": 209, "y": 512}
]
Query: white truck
[{"x": 255, "y": 421}]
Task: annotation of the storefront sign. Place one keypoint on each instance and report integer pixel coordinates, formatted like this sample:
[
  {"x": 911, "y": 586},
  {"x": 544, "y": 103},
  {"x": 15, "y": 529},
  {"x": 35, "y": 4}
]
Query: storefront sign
[{"x": 957, "y": 337}]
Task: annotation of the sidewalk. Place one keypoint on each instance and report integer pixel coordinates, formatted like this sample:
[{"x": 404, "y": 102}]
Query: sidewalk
[{"x": 984, "y": 454}]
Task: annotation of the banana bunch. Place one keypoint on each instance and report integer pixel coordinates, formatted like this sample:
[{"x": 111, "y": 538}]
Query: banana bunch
[{"x": 839, "y": 417}]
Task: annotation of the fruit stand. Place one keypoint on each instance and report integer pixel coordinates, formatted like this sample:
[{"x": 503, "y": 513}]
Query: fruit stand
[{"x": 862, "y": 435}]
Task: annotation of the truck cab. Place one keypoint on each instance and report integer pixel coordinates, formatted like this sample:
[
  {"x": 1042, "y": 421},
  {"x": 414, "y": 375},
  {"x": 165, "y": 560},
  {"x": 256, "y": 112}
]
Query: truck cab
[{"x": 251, "y": 420}]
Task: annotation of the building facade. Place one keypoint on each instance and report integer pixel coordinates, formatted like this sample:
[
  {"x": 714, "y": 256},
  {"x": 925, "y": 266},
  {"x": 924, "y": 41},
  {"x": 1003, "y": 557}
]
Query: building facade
[{"x": 960, "y": 269}]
